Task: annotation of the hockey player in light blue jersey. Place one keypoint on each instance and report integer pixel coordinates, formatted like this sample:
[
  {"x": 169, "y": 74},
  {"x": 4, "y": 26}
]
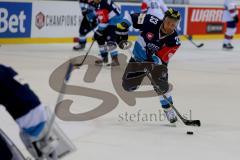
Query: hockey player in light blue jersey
[
  {"x": 108, "y": 14},
  {"x": 88, "y": 23}
]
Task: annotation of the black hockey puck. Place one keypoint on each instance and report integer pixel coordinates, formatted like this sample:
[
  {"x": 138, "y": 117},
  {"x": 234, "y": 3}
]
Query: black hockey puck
[{"x": 190, "y": 132}]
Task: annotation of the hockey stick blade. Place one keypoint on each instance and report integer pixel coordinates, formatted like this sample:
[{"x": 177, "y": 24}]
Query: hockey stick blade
[
  {"x": 189, "y": 37},
  {"x": 192, "y": 122},
  {"x": 185, "y": 121},
  {"x": 200, "y": 45},
  {"x": 89, "y": 49}
]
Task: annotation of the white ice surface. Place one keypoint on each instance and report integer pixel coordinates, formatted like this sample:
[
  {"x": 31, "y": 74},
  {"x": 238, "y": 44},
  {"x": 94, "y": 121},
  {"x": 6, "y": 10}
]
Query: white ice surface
[{"x": 206, "y": 81}]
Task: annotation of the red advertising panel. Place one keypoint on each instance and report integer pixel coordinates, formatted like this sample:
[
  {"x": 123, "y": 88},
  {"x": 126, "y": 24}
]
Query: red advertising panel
[{"x": 203, "y": 20}]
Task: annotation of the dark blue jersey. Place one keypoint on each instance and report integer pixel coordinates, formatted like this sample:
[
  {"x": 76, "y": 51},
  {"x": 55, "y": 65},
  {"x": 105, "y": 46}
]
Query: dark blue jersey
[
  {"x": 18, "y": 98},
  {"x": 152, "y": 41},
  {"x": 87, "y": 6}
]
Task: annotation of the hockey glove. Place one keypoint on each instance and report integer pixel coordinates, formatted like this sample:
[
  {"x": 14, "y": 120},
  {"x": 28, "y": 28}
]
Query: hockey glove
[
  {"x": 236, "y": 18},
  {"x": 121, "y": 34}
]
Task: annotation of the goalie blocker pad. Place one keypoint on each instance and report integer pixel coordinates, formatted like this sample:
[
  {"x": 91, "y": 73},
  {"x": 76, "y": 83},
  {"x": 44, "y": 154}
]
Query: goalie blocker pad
[
  {"x": 8, "y": 149},
  {"x": 52, "y": 147}
]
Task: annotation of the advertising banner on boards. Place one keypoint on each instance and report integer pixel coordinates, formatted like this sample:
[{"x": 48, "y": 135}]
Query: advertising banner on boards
[
  {"x": 15, "y": 19},
  {"x": 202, "y": 20},
  {"x": 56, "y": 19},
  {"x": 137, "y": 9}
]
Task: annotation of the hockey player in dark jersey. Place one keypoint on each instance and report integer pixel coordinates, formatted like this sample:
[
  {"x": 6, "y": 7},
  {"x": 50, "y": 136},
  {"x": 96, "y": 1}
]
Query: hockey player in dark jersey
[
  {"x": 157, "y": 42},
  {"x": 88, "y": 23},
  {"x": 108, "y": 16},
  {"x": 41, "y": 136}
]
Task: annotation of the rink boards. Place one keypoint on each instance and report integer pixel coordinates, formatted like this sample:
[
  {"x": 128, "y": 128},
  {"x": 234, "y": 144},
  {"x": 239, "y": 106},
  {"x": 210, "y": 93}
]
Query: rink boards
[{"x": 54, "y": 22}]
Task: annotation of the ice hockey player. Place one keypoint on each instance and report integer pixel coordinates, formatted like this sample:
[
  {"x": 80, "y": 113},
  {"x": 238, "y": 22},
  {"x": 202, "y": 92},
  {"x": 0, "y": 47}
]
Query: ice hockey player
[
  {"x": 230, "y": 16},
  {"x": 154, "y": 7},
  {"x": 158, "y": 41},
  {"x": 108, "y": 15},
  {"x": 42, "y": 138},
  {"x": 88, "y": 23}
]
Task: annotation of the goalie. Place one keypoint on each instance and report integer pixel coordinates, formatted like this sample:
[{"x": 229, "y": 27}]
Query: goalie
[{"x": 41, "y": 136}]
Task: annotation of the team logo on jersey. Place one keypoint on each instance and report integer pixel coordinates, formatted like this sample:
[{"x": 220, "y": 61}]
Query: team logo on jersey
[{"x": 150, "y": 36}]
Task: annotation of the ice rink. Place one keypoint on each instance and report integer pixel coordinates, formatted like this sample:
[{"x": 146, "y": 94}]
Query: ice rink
[{"x": 206, "y": 86}]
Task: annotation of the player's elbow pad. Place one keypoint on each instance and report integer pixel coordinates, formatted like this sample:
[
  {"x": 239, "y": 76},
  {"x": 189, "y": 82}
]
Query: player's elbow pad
[{"x": 166, "y": 53}]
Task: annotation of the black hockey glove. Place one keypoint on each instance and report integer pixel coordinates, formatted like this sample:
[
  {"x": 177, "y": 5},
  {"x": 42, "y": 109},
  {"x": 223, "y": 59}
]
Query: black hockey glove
[
  {"x": 236, "y": 18},
  {"x": 121, "y": 34}
]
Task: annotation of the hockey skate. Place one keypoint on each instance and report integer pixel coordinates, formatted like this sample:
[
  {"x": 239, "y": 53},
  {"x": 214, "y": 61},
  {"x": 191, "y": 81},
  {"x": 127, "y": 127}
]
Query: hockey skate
[
  {"x": 79, "y": 46},
  {"x": 51, "y": 144},
  {"x": 170, "y": 114},
  {"x": 102, "y": 61},
  {"x": 228, "y": 46}
]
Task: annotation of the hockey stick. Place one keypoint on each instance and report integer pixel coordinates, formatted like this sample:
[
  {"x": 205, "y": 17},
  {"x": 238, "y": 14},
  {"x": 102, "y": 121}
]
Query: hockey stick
[
  {"x": 62, "y": 90},
  {"x": 185, "y": 121},
  {"x": 190, "y": 39},
  {"x": 68, "y": 75},
  {"x": 52, "y": 143},
  {"x": 89, "y": 49}
]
